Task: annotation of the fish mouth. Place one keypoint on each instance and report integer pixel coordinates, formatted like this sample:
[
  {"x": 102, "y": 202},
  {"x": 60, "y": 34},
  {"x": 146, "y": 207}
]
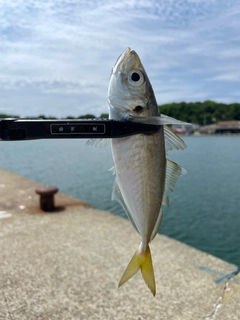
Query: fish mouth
[{"x": 128, "y": 60}]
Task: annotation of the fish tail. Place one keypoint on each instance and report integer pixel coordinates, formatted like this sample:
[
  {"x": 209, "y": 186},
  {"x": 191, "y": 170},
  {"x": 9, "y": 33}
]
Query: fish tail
[{"x": 141, "y": 260}]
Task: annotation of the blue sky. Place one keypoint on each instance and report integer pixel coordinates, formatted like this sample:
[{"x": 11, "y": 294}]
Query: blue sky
[{"x": 56, "y": 56}]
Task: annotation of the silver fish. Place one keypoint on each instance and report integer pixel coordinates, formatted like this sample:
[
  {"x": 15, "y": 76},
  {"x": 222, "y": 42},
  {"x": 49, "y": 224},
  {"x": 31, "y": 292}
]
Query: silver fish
[{"x": 143, "y": 174}]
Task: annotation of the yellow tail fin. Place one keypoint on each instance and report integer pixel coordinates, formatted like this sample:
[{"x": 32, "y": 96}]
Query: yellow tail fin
[{"x": 143, "y": 261}]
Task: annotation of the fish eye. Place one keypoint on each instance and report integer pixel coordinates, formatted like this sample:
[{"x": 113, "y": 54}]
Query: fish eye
[{"x": 136, "y": 78}]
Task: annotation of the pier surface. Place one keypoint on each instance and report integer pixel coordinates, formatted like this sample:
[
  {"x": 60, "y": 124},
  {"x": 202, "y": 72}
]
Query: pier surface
[{"x": 67, "y": 264}]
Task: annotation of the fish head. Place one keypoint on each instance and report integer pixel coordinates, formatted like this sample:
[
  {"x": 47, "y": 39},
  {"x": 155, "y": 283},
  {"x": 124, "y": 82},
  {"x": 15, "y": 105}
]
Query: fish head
[{"x": 130, "y": 93}]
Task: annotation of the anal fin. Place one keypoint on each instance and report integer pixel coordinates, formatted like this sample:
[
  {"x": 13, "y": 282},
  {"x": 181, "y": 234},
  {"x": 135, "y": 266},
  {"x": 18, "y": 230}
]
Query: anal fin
[{"x": 157, "y": 225}]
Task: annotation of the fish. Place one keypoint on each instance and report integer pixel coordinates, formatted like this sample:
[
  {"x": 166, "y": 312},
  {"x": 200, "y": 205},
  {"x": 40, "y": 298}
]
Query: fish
[{"x": 144, "y": 175}]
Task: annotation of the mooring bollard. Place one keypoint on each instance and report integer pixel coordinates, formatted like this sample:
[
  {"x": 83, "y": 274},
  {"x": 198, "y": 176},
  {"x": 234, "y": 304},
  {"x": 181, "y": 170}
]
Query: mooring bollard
[{"x": 47, "y": 197}]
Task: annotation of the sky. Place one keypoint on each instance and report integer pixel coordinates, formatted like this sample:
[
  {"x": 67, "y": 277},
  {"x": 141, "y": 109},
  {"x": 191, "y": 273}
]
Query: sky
[{"x": 56, "y": 56}]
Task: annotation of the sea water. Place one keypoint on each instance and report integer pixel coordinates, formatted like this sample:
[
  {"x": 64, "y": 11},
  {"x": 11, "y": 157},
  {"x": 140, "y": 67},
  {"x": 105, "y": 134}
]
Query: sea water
[{"x": 204, "y": 207}]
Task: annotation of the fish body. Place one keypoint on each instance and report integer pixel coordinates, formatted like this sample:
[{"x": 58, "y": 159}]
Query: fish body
[
  {"x": 143, "y": 174},
  {"x": 140, "y": 174}
]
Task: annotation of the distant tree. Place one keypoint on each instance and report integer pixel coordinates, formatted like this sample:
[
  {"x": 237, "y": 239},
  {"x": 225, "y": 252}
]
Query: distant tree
[
  {"x": 206, "y": 112},
  {"x": 51, "y": 118},
  {"x": 4, "y": 115},
  {"x": 42, "y": 116},
  {"x": 234, "y": 111},
  {"x": 104, "y": 116},
  {"x": 202, "y": 113},
  {"x": 87, "y": 116}
]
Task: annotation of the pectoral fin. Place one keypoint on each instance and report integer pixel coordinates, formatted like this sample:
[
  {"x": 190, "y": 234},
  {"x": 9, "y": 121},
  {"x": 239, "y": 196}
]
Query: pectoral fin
[{"x": 161, "y": 120}]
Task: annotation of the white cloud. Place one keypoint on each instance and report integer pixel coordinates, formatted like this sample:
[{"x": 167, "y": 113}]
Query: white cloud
[
  {"x": 232, "y": 77},
  {"x": 56, "y": 57}
]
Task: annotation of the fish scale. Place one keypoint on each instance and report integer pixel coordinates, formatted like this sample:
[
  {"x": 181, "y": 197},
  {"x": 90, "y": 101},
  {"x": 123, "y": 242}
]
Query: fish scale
[{"x": 133, "y": 177}]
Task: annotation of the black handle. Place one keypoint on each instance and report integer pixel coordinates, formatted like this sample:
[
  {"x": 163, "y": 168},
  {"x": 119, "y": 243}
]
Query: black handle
[{"x": 28, "y": 129}]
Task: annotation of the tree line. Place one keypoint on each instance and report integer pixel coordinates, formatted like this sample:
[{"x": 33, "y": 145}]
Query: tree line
[
  {"x": 201, "y": 113},
  {"x": 42, "y": 116}
]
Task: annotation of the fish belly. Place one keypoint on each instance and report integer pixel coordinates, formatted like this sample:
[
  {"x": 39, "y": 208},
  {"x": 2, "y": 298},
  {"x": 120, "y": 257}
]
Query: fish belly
[{"x": 140, "y": 166}]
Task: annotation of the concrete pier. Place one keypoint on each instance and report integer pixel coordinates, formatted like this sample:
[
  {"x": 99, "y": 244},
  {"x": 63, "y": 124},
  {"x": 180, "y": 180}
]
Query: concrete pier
[{"x": 67, "y": 264}]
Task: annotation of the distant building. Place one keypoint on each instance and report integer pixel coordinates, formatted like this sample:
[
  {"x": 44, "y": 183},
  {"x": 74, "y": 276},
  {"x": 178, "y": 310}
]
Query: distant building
[
  {"x": 223, "y": 127},
  {"x": 185, "y": 129},
  {"x": 210, "y": 129},
  {"x": 228, "y": 127}
]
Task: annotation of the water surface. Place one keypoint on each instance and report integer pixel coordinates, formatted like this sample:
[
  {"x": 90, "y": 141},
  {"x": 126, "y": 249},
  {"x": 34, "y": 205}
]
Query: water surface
[{"x": 204, "y": 207}]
